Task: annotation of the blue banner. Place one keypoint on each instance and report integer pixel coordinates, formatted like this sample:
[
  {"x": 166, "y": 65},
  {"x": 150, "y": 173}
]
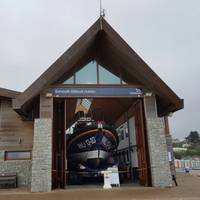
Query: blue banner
[{"x": 98, "y": 92}]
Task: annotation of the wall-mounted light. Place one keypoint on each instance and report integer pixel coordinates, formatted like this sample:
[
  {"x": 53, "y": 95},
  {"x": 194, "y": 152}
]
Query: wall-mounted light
[
  {"x": 49, "y": 94},
  {"x": 148, "y": 94}
]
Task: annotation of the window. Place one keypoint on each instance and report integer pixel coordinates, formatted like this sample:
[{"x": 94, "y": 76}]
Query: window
[
  {"x": 17, "y": 155},
  {"x": 122, "y": 134},
  {"x": 127, "y": 155},
  {"x": 88, "y": 74},
  {"x": 124, "y": 156},
  {"x": 119, "y": 134},
  {"x": 127, "y": 134},
  {"x": 106, "y": 77},
  {"x": 69, "y": 81}
]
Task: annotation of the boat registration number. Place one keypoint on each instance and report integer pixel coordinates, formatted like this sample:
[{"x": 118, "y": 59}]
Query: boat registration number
[{"x": 86, "y": 143}]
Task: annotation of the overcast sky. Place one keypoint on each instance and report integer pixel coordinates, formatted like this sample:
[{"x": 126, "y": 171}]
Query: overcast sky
[{"x": 165, "y": 33}]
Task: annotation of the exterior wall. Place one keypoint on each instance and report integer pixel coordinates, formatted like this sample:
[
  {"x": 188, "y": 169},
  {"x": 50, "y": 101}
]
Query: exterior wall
[
  {"x": 46, "y": 106},
  {"x": 15, "y": 134},
  {"x": 21, "y": 167},
  {"x": 42, "y": 156},
  {"x": 160, "y": 169},
  {"x": 124, "y": 143},
  {"x": 13, "y": 130}
]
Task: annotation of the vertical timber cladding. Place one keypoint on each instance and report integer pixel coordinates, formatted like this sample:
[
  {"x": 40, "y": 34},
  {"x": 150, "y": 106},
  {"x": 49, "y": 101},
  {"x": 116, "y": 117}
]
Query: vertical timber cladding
[
  {"x": 63, "y": 111},
  {"x": 144, "y": 171},
  {"x": 58, "y": 164},
  {"x": 15, "y": 134}
]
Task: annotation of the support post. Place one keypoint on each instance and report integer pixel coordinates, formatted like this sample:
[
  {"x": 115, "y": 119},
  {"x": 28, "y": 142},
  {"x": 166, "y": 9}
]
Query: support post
[
  {"x": 42, "y": 156},
  {"x": 160, "y": 169}
]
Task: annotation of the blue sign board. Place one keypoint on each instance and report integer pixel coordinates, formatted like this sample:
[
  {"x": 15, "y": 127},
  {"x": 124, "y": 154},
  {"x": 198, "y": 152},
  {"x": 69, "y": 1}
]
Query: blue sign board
[{"x": 98, "y": 92}]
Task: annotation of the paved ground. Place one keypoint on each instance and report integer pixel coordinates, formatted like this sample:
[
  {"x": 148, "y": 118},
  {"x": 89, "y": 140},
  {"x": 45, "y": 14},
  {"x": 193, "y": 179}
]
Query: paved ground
[{"x": 188, "y": 189}]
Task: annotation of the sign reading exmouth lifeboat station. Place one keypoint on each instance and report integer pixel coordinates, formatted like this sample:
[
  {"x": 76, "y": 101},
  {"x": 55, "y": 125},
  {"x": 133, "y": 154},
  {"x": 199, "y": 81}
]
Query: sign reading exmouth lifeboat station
[{"x": 97, "y": 92}]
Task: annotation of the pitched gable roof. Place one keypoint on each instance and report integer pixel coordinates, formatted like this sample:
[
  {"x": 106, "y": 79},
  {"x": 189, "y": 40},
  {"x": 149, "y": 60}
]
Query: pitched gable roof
[{"x": 112, "y": 50}]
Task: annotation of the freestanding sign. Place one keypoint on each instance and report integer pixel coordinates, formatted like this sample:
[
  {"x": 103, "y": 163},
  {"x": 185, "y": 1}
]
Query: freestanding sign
[
  {"x": 97, "y": 92},
  {"x": 111, "y": 177},
  {"x": 114, "y": 176}
]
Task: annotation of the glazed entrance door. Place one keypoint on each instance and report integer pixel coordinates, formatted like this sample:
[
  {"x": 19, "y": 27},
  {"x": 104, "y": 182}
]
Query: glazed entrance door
[{"x": 142, "y": 148}]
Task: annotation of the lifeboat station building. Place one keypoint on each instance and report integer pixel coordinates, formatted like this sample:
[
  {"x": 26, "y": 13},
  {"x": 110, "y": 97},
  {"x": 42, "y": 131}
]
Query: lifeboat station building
[{"x": 101, "y": 75}]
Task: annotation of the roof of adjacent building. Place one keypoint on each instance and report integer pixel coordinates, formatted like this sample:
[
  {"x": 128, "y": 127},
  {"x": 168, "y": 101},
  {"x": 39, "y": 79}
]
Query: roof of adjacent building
[
  {"x": 103, "y": 42},
  {"x": 10, "y": 94}
]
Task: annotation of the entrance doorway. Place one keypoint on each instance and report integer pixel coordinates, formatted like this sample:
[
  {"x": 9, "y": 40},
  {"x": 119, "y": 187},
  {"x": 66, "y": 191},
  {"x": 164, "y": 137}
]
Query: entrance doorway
[{"x": 114, "y": 111}]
